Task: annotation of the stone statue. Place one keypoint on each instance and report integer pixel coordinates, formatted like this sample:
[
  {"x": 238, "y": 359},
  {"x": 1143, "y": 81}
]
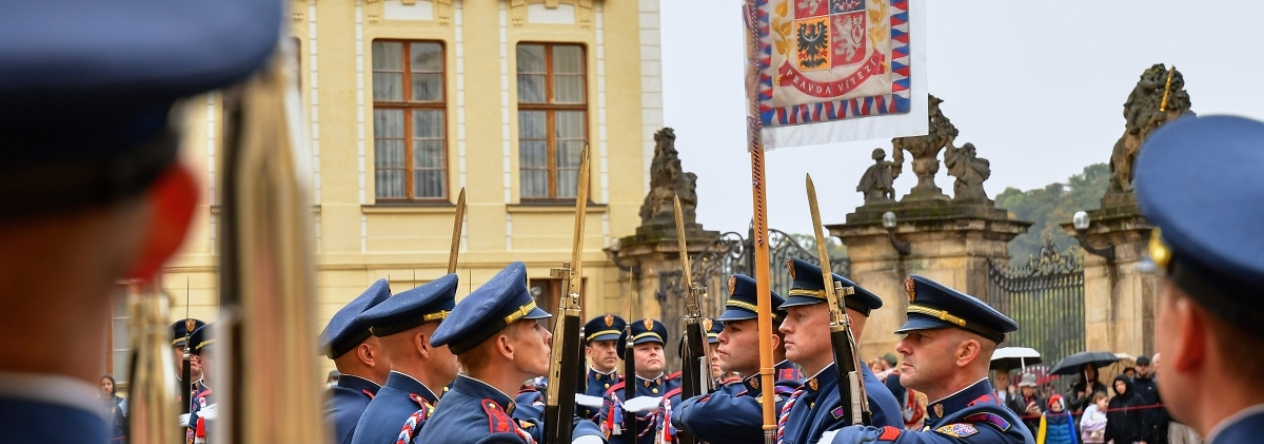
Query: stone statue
[
  {"x": 668, "y": 179},
  {"x": 925, "y": 151},
  {"x": 876, "y": 183},
  {"x": 970, "y": 171},
  {"x": 1145, "y": 111}
]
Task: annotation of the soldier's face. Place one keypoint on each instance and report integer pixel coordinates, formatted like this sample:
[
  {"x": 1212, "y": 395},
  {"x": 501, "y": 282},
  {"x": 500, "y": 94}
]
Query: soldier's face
[
  {"x": 716, "y": 371},
  {"x": 738, "y": 350},
  {"x": 807, "y": 338},
  {"x": 649, "y": 358},
  {"x": 531, "y": 349},
  {"x": 928, "y": 358},
  {"x": 177, "y": 356},
  {"x": 603, "y": 354}
]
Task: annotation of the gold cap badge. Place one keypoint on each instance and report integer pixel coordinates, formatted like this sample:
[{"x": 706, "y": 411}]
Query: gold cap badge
[
  {"x": 706, "y": 324},
  {"x": 609, "y": 319},
  {"x": 190, "y": 324},
  {"x": 648, "y": 323},
  {"x": 790, "y": 267},
  {"x": 732, "y": 284},
  {"x": 910, "y": 288}
]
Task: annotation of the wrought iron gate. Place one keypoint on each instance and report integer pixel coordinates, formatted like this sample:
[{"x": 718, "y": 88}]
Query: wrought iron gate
[
  {"x": 726, "y": 255},
  {"x": 1045, "y": 297}
]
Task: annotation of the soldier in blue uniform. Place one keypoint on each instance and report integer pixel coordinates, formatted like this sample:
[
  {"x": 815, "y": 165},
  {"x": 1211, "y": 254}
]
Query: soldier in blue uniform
[
  {"x": 1200, "y": 181},
  {"x": 950, "y": 337},
  {"x": 652, "y": 383},
  {"x": 601, "y": 337},
  {"x": 734, "y": 414},
  {"x": 405, "y": 325},
  {"x": 203, "y": 409},
  {"x": 816, "y": 406},
  {"x": 666, "y": 431},
  {"x": 361, "y": 362},
  {"x": 499, "y": 342},
  {"x": 91, "y": 181},
  {"x": 180, "y": 331}
]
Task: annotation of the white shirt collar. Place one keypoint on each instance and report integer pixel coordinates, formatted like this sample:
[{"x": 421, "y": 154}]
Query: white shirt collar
[
  {"x": 1233, "y": 419},
  {"x": 958, "y": 391},
  {"x": 660, "y": 375},
  {"x": 50, "y": 389},
  {"x": 611, "y": 372}
]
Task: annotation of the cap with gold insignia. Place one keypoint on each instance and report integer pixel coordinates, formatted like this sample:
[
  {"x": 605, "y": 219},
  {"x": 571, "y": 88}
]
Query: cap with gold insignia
[
  {"x": 181, "y": 329},
  {"x": 499, "y": 303},
  {"x": 1200, "y": 180},
  {"x": 743, "y": 302},
  {"x": 604, "y": 328},
  {"x": 202, "y": 339},
  {"x": 344, "y": 332},
  {"x": 809, "y": 288},
  {"x": 432, "y": 301},
  {"x": 713, "y": 328},
  {"x": 933, "y": 306},
  {"x": 643, "y": 331}
]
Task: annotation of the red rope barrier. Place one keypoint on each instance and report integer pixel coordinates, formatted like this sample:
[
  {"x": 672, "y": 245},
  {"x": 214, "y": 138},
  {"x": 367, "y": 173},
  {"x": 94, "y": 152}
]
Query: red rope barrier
[{"x": 1081, "y": 413}]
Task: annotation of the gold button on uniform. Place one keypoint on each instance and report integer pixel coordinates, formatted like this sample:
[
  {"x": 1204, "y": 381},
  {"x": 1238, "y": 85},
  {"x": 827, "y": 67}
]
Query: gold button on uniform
[
  {"x": 654, "y": 390},
  {"x": 607, "y": 385}
]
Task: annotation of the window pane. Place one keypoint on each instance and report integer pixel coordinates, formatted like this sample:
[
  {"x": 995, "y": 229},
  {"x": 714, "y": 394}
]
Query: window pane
[
  {"x": 568, "y": 59},
  {"x": 535, "y": 184},
  {"x": 388, "y": 86},
  {"x": 390, "y": 183},
  {"x": 428, "y": 154},
  {"x": 570, "y": 125},
  {"x": 427, "y": 87},
  {"x": 427, "y": 56},
  {"x": 427, "y": 123},
  {"x": 388, "y": 123},
  {"x": 568, "y": 89},
  {"x": 428, "y": 183},
  {"x": 388, "y": 56},
  {"x": 533, "y": 154},
  {"x": 531, "y": 59},
  {"x": 531, "y": 124},
  {"x": 531, "y": 88},
  {"x": 388, "y": 65}
]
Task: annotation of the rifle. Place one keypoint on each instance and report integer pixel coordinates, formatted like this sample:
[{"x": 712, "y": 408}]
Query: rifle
[
  {"x": 696, "y": 375},
  {"x": 560, "y": 405},
  {"x": 850, "y": 385},
  {"x": 629, "y": 385},
  {"x": 456, "y": 235},
  {"x": 186, "y": 367}
]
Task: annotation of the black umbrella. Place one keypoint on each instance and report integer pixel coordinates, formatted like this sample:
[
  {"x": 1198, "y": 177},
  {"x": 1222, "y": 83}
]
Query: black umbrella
[{"x": 1074, "y": 364}]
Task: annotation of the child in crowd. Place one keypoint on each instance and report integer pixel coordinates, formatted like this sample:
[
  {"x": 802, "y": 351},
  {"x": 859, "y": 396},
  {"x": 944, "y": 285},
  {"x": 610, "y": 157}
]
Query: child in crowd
[
  {"x": 1093, "y": 424},
  {"x": 1056, "y": 425}
]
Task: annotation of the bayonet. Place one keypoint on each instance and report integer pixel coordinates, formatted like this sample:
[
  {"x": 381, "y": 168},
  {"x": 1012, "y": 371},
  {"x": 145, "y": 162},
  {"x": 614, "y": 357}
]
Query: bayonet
[
  {"x": 456, "y": 234},
  {"x": 560, "y": 395},
  {"x": 696, "y": 379}
]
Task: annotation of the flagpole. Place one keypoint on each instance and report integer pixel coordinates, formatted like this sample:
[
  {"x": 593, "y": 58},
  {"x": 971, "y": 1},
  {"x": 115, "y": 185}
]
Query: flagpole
[{"x": 760, "y": 237}]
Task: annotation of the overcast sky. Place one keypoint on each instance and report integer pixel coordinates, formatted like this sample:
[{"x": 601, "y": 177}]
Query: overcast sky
[{"x": 1038, "y": 87}]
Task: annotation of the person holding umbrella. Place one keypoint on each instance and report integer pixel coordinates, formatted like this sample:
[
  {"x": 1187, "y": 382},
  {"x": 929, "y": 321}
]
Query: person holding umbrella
[
  {"x": 1081, "y": 394},
  {"x": 1199, "y": 183}
]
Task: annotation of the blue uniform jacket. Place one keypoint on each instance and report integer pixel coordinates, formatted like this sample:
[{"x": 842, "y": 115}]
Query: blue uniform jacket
[
  {"x": 972, "y": 415},
  {"x": 390, "y": 409},
  {"x": 611, "y": 416},
  {"x": 345, "y": 402},
  {"x": 24, "y": 420},
  {"x": 819, "y": 408},
  {"x": 1246, "y": 429},
  {"x": 734, "y": 414},
  {"x": 596, "y": 385},
  {"x": 201, "y": 398},
  {"x": 474, "y": 412}
]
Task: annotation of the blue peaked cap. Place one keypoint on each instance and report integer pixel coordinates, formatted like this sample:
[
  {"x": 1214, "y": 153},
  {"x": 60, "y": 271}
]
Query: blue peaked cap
[
  {"x": 430, "y": 302},
  {"x": 604, "y": 328},
  {"x": 643, "y": 331},
  {"x": 202, "y": 339},
  {"x": 86, "y": 89},
  {"x": 809, "y": 288},
  {"x": 180, "y": 330},
  {"x": 714, "y": 327},
  {"x": 344, "y": 331},
  {"x": 743, "y": 301},
  {"x": 1200, "y": 180},
  {"x": 500, "y": 302},
  {"x": 933, "y": 306}
]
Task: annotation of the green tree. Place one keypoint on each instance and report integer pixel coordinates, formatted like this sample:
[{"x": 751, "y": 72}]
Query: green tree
[{"x": 1050, "y": 207}]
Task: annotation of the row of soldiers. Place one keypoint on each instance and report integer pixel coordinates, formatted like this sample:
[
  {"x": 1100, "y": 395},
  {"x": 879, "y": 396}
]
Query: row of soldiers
[{"x": 419, "y": 367}]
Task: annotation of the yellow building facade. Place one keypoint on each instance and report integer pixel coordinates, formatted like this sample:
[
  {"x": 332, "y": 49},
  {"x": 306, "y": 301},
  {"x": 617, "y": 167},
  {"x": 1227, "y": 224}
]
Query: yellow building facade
[{"x": 406, "y": 102}]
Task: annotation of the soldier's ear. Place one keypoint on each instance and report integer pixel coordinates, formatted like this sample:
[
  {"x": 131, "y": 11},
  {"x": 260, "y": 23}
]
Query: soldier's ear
[
  {"x": 422, "y": 344},
  {"x": 1192, "y": 337},
  {"x": 172, "y": 200}
]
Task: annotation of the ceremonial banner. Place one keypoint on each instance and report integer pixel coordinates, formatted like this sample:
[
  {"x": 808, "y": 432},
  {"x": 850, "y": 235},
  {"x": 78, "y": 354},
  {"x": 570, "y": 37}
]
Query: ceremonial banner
[{"x": 839, "y": 70}]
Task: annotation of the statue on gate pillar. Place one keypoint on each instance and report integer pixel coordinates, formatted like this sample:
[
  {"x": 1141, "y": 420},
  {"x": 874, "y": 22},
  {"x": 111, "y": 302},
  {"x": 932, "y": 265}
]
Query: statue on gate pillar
[
  {"x": 1159, "y": 97},
  {"x": 970, "y": 171},
  {"x": 877, "y": 184},
  {"x": 668, "y": 179},
  {"x": 925, "y": 151}
]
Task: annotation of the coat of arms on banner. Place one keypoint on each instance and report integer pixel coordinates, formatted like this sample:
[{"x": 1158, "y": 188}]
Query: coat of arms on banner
[{"x": 826, "y": 60}]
